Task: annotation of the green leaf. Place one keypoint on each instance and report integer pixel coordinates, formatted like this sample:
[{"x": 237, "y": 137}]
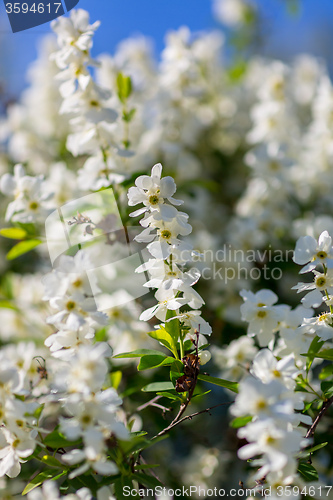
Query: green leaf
[
  {"x": 128, "y": 116},
  {"x": 56, "y": 440},
  {"x": 327, "y": 388},
  {"x": 7, "y": 305},
  {"x": 308, "y": 472},
  {"x": 237, "y": 70},
  {"x": 170, "y": 395},
  {"x": 138, "y": 354},
  {"x": 232, "y": 386},
  {"x": 164, "y": 337},
  {"x": 138, "y": 444},
  {"x": 326, "y": 372},
  {"x": 158, "y": 386},
  {"x": 41, "y": 477},
  {"x": 325, "y": 354},
  {"x": 22, "y": 248},
  {"x": 148, "y": 481},
  {"x": 153, "y": 361},
  {"x": 124, "y": 87},
  {"x": 115, "y": 378},
  {"x": 238, "y": 422},
  {"x": 199, "y": 394},
  {"x": 51, "y": 461},
  {"x": 145, "y": 466},
  {"x": 306, "y": 453},
  {"x": 315, "y": 346},
  {"x": 14, "y": 233},
  {"x": 172, "y": 325}
]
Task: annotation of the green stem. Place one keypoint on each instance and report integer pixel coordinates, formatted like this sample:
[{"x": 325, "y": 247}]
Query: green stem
[
  {"x": 330, "y": 305},
  {"x": 313, "y": 391}
]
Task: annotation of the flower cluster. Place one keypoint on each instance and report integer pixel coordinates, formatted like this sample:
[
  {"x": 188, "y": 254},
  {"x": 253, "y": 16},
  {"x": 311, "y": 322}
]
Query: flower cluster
[
  {"x": 30, "y": 196},
  {"x": 86, "y": 103},
  {"x": 163, "y": 224},
  {"x": 268, "y": 397},
  {"x": 249, "y": 146},
  {"x": 18, "y": 409},
  {"x": 68, "y": 289},
  {"x": 317, "y": 253}
]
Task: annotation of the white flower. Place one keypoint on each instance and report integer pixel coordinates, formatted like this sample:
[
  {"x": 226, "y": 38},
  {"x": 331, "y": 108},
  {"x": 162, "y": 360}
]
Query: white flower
[
  {"x": 321, "y": 283},
  {"x": 231, "y": 12},
  {"x": 262, "y": 316},
  {"x": 308, "y": 250},
  {"x": 194, "y": 320},
  {"x": 98, "y": 172},
  {"x": 266, "y": 368},
  {"x": 321, "y": 325},
  {"x": 74, "y": 311},
  {"x": 167, "y": 301},
  {"x": 86, "y": 371},
  {"x": 92, "y": 411},
  {"x": 74, "y": 37},
  {"x": 93, "y": 455},
  {"x": 49, "y": 491},
  {"x": 258, "y": 399},
  {"x": 13, "y": 450},
  {"x": 104, "y": 493},
  {"x": 277, "y": 445},
  {"x": 152, "y": 191},
  {"x": 30, "y": 196},
  {"x": 234, "y": 359},
  {"x": 64, "y": 343},
  {"x": 70, "y": 276}
]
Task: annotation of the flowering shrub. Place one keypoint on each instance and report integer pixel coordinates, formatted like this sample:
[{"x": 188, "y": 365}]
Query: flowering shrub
[{"x": 92, "y": 381}]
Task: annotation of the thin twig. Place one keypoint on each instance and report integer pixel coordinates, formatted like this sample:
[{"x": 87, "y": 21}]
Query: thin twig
[
  {"x": 316, "y": 421},
  {"x": 178, "y": 420},
  {"x": 149, "y": 403}
]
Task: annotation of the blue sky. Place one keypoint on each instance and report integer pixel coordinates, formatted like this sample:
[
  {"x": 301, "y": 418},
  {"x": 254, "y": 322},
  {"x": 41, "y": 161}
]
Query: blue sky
[{"x": 311, "y": 30}]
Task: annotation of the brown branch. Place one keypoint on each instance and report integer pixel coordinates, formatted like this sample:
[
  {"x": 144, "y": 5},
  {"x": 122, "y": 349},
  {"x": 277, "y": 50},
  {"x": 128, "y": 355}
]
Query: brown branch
[{"x": 316, "y": 421}]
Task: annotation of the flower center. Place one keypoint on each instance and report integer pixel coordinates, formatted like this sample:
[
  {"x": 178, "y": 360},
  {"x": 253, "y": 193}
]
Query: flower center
[
  {"x": 321, "y": 255},
  {"x": 261, "y": 404},
  {"x": 261, "y": 314},
  {"x": 166, "y": 234},
  {"x": 70, "y": 305},
  {"x": 33, "y": 205},
  {"x": 321, "y": 281},
  {"x": 77, "y": 283},
  {"x": 86, "y": 419},
  {"x": 153, "y": 199}
]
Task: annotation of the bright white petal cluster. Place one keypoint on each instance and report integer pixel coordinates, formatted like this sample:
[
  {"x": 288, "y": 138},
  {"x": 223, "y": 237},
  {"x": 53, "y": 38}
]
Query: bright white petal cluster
[
  {"x": 317, "y": 253},
  {"x": 30, "y": 196},
  {"x": 269, "y": 398},
  {"x": 163, "y": 224},
  {"x": 85, "y": 102},
  {"x": 69, "y": 291},
  {"x": 261, "y": 314}
]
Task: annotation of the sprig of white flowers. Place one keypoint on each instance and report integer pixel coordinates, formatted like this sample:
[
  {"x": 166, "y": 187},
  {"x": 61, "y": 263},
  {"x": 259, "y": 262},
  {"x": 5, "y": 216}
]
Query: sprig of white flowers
[{"x": 163, "y": 224}]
